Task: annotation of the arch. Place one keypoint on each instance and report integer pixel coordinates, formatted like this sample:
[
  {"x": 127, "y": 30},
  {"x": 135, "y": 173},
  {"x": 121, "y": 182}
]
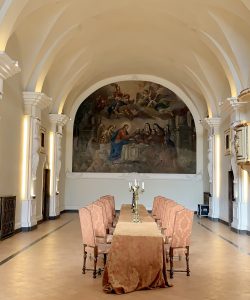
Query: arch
[{"x": 136, "y": 77}]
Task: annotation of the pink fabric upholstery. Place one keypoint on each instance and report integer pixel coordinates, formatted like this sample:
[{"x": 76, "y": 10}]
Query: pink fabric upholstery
[
  {"x": 171, "y": 220},
  {"x": 87, "y": 229},
  {"x": 166, "y": 213},
  {"x": 105, "y": 218},
  {"x": 108, "y": 207},
  {"x": 112, "y": 202},
  {"x": 98, "y": 220},
  {"x": 157, "y": 206},
  {"x": 182, "y": 228}
]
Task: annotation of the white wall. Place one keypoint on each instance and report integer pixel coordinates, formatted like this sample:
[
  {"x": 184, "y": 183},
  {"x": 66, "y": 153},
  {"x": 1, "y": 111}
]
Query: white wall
[{"x": 81, "y": 189}]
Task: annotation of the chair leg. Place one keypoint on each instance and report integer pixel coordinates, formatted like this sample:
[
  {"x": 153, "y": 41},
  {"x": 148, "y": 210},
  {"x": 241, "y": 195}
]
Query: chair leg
[
  {"x": 171, "y": 258},
  {"x": 105, "y": 258},
  {"x": 84, "y": 259},
  {"x": 187, "y": 260},
  {"x": 95, "y": 261}
]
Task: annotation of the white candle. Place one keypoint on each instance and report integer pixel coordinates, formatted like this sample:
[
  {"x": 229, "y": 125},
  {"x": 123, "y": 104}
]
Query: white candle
[
  {"x": 135, "y": 183},
  {"x": 142, "y": 185},
  {"x": 129, "y": 184}
]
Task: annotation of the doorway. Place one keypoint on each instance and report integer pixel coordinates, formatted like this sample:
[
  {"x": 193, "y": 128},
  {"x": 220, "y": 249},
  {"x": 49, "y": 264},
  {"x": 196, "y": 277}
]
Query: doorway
[
  {"x": 46, "y": 194},
  {"x": 230, "y": 196}
]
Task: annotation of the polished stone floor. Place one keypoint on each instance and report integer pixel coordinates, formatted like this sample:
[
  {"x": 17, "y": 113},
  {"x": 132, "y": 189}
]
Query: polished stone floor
[{"x": 46, "y": 264}]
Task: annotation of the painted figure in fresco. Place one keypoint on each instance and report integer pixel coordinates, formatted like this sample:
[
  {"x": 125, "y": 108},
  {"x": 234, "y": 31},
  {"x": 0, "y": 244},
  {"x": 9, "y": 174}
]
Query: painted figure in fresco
[
  {"x": 147, "y": 133},
  {"x": 107, "y": 134},
  {"x": 159, "y": 133},
  {"x": 170, "y": 147},
  {"x": 118, "y": 139}
]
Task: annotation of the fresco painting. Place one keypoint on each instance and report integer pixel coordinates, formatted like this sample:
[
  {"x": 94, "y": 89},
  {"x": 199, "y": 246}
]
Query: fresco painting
[{"x": 134, "y": 126}]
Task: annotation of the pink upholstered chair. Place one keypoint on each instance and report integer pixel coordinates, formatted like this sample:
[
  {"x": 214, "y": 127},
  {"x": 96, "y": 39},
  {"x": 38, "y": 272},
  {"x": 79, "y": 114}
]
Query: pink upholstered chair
[
  {"x": 169, "y": 229},
  {"x": 98, "y": 224},
  {"x": 107, "y": 224},
  {"x": 166, "y": 213},
  {"x": 181, "y": 238},
  {"x": 89, "y": 241},
  {"x": 109, "y": 209},
  {"x": 112, "y": 202},
  {"x": 157, "y": 205}
]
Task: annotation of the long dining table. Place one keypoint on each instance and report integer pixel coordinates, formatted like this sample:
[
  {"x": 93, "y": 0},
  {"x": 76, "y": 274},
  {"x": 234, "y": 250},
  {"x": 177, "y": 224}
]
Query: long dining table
[{"x": 136, "y": 259}]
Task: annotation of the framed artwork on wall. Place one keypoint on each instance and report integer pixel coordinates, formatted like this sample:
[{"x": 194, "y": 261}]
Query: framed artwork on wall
[{"x": 227, "y": 141}]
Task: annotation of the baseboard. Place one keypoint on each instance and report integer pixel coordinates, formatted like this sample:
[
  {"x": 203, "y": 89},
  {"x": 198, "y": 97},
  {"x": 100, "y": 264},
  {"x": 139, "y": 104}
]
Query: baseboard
[
  {"x": 26, "y": 229},
  {"x": 213, "y": 219},
  {"x": 239, "y": 231},
  {"x": 54, "y": 217},
  {"x": 223, "y": 222},
  {"x": 69, "y": 211}
]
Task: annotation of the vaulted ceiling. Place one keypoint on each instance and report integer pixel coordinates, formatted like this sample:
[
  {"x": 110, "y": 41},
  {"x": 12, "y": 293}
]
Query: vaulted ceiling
[{"x": 66, "y": 46}]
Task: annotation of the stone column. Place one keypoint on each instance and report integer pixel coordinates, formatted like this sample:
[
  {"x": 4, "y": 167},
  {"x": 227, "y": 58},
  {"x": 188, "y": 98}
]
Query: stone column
[
  {"x": 34, "y": 103},
  {"x": 57, "y": 123},
  {"x": 8, "y": 68},
  {"x": 214, "y": 167}
]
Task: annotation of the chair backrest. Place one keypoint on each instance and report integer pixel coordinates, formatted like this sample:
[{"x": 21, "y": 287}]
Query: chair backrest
[
  {"x": 97, "y": 219},
  {"x": 88, "y": 236},
  {"x": 182, "y": 228},
  {"x": 166, "y": 213},
  {"x": 157, "y": 205},
  {"x": 171, "y": 220},
  {"x": 105, "y": 218},
  {"x": 154, "y": 208},
  {"x": 112, "y": 202},
  {"x": 108, "y": 207}
]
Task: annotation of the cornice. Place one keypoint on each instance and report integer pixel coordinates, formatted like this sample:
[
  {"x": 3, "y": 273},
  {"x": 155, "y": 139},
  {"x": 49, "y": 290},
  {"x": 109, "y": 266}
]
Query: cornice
[
  {"x": 213, "y": 122},
  {"x": 36, "y": 99}
]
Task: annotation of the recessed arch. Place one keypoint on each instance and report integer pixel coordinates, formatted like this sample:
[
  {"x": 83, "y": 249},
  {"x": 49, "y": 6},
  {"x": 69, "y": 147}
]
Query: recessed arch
[{"x": 136, "y": 77}]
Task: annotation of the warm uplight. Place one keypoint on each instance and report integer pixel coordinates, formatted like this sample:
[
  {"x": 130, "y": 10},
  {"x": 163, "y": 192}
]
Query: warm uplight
[
  {"x": 51, "y": 160},
  {"x": 25, "y": 154},
  {"x": 217, "y": 165}
]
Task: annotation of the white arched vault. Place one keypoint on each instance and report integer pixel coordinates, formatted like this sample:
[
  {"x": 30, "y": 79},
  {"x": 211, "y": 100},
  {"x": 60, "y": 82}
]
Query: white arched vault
[{"x": 136, "y": 77}]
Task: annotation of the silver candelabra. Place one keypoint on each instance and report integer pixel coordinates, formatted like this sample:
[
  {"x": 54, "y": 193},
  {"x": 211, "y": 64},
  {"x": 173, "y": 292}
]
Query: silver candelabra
[{"x": 135, "y": 188}]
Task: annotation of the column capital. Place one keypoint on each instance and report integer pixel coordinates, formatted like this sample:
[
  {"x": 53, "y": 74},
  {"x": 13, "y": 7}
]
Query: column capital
[
  {"x": 213, "y": 123},
  {"x": 36, "y": 99},
  {"x": 8, "y": 67},
  {"x": 58, "y": 119},
  {"x": 35, "y": 102}
]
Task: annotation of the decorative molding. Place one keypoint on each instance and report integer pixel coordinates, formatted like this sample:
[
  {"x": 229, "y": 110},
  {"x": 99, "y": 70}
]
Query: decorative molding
[
  {"x": 8, "y": 67},
  {"x": 35, "y": 100},
  {"x": 244, "y": 95},
  {"x": 58, "y": 119},
  {"x": 213, "y": 123},
  {"x": 131, "y": 176}
]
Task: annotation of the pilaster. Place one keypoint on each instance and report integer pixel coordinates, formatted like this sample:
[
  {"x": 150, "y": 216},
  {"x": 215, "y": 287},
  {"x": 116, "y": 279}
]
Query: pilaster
[
  {"x": 213, "y": 125},
  {"x": 57, "y": 122},
  {"x": 33, "y": 105}
]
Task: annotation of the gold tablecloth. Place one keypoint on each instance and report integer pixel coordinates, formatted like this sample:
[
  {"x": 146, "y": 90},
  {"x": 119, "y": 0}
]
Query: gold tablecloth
[{"x": 136, "y": 259}]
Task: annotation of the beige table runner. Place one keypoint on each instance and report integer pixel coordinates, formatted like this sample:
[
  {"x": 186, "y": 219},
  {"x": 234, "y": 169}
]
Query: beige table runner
[{"x": 136, "y": 259}]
